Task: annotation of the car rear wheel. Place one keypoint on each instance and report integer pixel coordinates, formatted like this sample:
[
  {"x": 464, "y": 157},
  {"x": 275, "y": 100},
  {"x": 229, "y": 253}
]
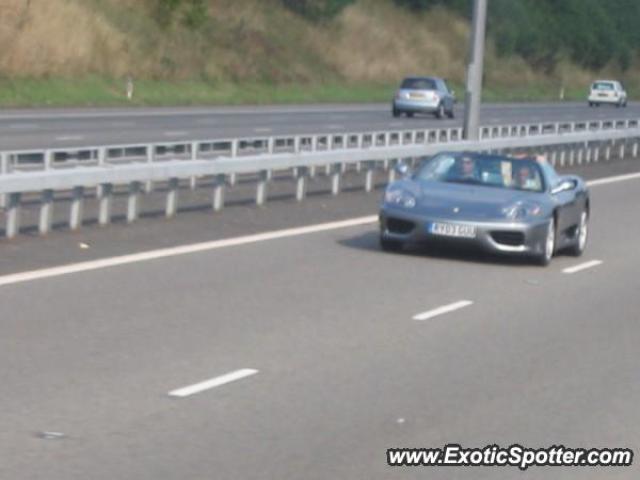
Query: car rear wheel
[
  {"x": 389, "y": 245},
  {"x": 440, "y": 111},
  {"x": 544, "y": 258},
  {"x": 582, "y": 235},
  {"x": 409, "y": 114}
]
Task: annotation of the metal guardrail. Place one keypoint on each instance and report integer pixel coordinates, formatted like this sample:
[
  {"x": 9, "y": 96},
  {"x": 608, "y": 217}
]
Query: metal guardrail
[{"x": 139, "y": 166}]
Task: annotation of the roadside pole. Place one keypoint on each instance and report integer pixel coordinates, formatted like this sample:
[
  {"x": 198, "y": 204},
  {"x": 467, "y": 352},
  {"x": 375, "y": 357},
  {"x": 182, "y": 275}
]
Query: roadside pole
[{"x": 474, "y": 71}]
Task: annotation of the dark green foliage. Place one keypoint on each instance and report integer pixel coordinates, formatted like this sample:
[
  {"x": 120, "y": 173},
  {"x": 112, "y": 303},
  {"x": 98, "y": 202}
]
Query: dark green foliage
[
  {"x": 192, "y": 13},
  {"x": 317, "y": 10},
  {"x": 590, "y": 32}
]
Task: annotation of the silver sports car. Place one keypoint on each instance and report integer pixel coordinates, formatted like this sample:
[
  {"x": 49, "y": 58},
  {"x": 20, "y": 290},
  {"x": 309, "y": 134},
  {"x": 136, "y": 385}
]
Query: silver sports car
[{"x": 502, "y": 204}]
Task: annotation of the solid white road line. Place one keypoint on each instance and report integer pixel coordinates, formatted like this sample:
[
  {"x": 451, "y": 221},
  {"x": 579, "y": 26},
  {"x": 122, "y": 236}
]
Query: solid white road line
[
  {"x": 614, "y": 179},
  {"x": 68, "y": 138},
  {"x": 175, "y": 134},
  {"x": 582, "y": 266},
  {"x": 23, "y": 126},
  {"x": 442, "y": 310},
  {"x": 180, "y": 250},
  {"x": 213, "y": 383}
]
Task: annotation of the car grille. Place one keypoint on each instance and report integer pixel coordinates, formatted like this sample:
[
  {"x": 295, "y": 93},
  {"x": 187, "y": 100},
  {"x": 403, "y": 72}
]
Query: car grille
[
  {"x": 397, "y": 225},
  {"x": 513, "y": 239}
]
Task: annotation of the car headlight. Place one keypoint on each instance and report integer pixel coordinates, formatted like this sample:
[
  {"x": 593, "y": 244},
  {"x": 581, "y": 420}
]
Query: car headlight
[
  {"x": 522, "y": 210},
  {"x": 400, "y": 197}
]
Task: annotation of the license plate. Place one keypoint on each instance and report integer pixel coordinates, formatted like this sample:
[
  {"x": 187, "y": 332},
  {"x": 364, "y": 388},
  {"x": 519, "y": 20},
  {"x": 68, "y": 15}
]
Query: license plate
[
  {"x": 416, "y": 95},
  {"x": 451, "y": 230}
]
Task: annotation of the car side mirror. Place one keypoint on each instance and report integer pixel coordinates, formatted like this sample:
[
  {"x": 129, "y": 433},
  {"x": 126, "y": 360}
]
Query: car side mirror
[
  {"x": 402, "y": 169},
  {"x": 563, "y": 186}
]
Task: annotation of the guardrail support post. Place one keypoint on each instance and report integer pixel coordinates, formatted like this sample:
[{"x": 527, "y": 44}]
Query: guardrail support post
[
  {"x": 607, "y": 152},
  {"x": 13, "y": 215},
  {"x": 596, "y": 152},
  {"x": 232, "y": 179},
  {"x": 335, "y": 180},
  {"x": 392, "y": 172},
  {"x": 622, "y": 148},
  {"x": 261, "y": 188},
  {"x": 46, "y": 212},
  {"x": 588, "y": 153},
  {"x": 634, "y": 149},
  {"x": 104, "y": 204},
  {"x": 301, "y": 184},
  {"x": 172, "y": 198},
  {"x": 368, "y": 178},
  {"x": 312, "y": 171},
  {"x": 4, "y": 169},
  {"x": 572, "y": 154},
  {"x": 218, "y": 192},
  {"x": 151, "y": 156},
  {"x": 133, "y": 202},
  {"x": 579, "y": 147},
  {"x": 77, "y": 204},
  {"x": 48, "y": 159}
]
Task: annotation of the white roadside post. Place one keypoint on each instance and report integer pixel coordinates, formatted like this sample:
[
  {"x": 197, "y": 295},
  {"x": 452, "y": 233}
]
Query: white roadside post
[
  {"x": 13, "y": 215},
  {"x": 46, "y": 212},
  {"x": 219, "y": 183},
  {"x": 171, "y": 206},
  {"x": 77, "y": 208},
  {"x": 104, "y": 204}
]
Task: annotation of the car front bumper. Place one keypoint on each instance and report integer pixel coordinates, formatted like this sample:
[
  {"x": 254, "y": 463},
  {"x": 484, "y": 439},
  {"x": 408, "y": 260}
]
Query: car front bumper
[{"x": 495, "y": 236}]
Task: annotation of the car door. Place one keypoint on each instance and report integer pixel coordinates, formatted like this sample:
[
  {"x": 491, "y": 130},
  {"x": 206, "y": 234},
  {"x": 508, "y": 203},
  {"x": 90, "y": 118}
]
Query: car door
[{"x": 568, "y": 202}]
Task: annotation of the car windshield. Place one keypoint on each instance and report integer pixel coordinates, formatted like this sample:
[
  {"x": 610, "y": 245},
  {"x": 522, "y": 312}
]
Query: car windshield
[
  {"x": 483, "y": 170},
  {"x": 418, "y": 84},
  {"x": 602, "y": 86}
]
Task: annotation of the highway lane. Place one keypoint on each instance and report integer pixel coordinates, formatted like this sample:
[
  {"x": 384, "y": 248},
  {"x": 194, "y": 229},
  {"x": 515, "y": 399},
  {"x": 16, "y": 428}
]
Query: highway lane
[
  {"x": 64, "y": 128},
  {"x": 540, "y": 358}
]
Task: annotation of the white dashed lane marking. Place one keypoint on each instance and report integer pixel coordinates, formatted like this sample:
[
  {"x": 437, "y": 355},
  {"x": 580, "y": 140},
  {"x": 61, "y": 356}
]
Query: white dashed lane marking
[
  {"x": 582, "y": 266},
  {"x": 442, "y": 310},
  {"x": 212, "y": 383}
]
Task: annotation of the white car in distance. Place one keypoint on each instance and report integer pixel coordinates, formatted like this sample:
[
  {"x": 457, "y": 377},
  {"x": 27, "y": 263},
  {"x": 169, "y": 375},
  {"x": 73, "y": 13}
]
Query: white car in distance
[{"x": 609, "y": 92}]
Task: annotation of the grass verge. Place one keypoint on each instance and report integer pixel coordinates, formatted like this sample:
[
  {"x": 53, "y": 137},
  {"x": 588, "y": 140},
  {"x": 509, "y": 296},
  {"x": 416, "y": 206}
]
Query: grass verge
[{"x": 103, "y": 92}]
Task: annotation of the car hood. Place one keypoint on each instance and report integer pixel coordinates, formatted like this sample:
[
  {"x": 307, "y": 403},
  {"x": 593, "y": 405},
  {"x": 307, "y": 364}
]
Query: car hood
[{"x": 465, "y": 202}]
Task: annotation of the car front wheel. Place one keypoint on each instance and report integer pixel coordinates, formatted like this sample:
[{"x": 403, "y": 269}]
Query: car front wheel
[
  {"x": 582, "y": 235},
  {"x": 549, "y": 246}
]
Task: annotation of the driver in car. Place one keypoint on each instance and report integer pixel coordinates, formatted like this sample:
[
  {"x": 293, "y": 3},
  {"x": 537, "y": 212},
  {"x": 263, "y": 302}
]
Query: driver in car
[{"x": 465, "y": 169}]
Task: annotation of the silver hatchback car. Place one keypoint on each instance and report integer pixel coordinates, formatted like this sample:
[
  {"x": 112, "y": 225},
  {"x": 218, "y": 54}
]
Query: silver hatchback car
[{"x": 424, "y": 95}]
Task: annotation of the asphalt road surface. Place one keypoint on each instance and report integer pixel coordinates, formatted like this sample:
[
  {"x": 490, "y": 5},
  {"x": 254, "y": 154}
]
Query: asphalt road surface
[
  {"x": 38, "y": 129},
  {"x": 316, "y": 364}
]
